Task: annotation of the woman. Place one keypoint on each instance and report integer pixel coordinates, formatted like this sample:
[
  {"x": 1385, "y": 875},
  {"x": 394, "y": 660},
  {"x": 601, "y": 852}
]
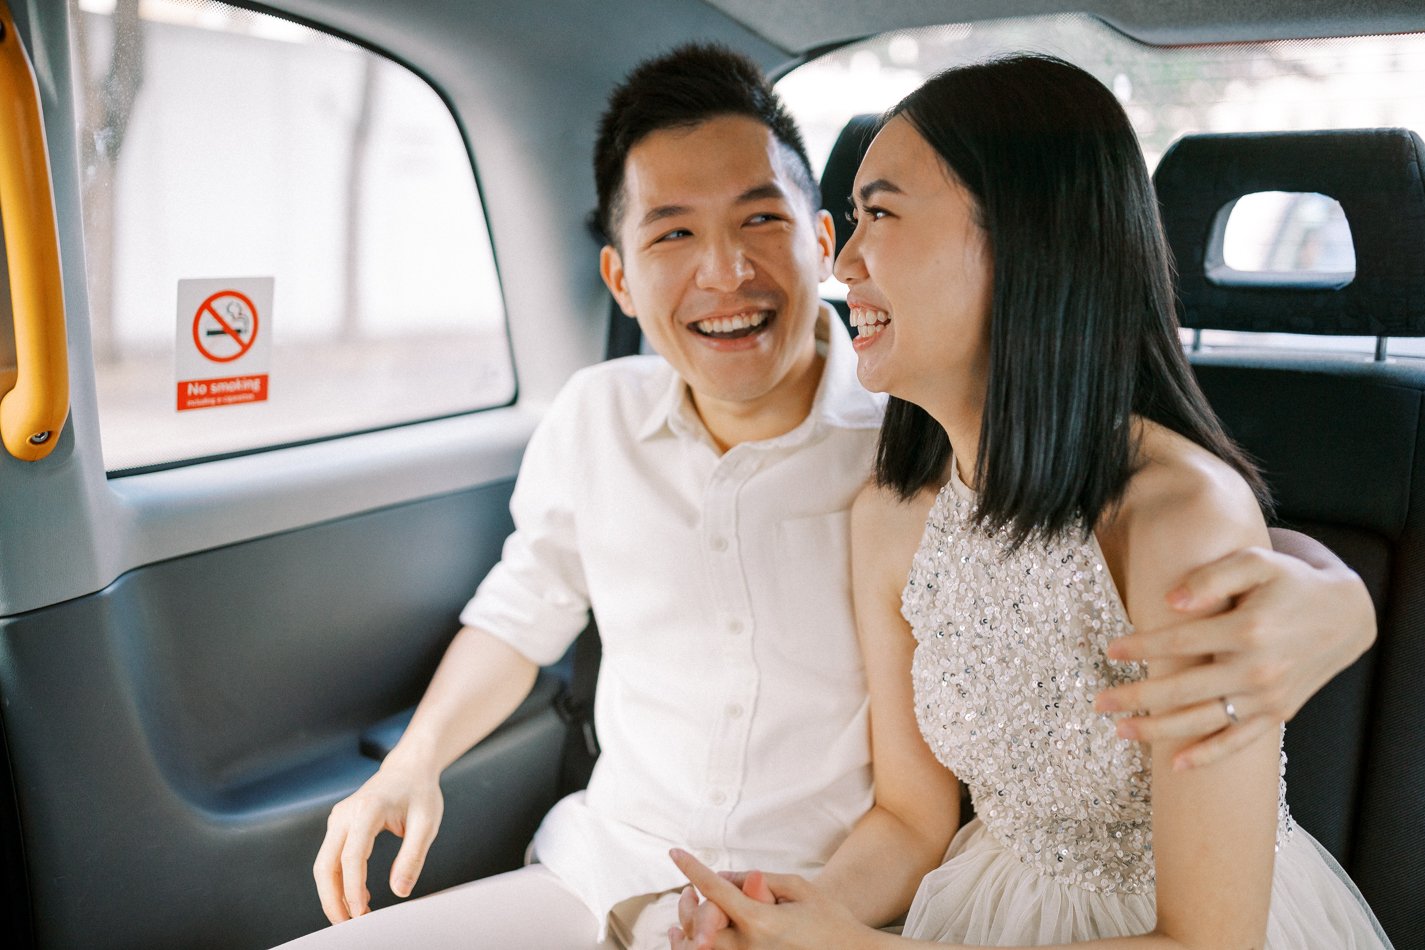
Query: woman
[{"x": 1011, "y": 290}]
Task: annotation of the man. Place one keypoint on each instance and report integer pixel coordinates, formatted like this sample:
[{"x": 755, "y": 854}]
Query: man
[{"x": 731, "y": 704}]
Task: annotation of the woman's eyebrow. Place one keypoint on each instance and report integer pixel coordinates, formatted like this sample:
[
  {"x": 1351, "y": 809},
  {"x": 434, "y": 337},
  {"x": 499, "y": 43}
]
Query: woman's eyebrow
[{"x": 880, "y": 184}]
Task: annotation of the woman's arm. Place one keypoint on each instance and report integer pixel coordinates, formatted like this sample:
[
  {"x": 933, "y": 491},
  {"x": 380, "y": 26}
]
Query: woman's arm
[
  {"x": 903, "y": 837},
  {"x": 1214, "y": 827}
]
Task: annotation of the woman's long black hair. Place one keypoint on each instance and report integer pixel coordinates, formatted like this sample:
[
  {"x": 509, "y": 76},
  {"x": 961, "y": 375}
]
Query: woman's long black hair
[{"x": 1083, "y": 331}]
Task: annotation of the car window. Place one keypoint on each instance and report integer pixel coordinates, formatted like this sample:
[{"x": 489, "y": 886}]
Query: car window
[
  {"x": 284, "y": 239},
  {"x": 1350, "y": 82}
]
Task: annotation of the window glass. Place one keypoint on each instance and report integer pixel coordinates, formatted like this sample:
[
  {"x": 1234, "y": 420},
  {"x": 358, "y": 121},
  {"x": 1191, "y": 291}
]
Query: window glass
[
  {"x": 262, "y": 200},
  {"x": 1292, "y": 233},
  {"x": 1351, "y": 82}
]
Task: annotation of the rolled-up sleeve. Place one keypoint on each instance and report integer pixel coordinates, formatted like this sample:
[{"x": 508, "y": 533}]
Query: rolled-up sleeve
[{"x": 536, "y": 599}]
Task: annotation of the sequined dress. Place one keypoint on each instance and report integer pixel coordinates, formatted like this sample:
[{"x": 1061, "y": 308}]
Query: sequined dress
[{"x": 1010, "y": 653}]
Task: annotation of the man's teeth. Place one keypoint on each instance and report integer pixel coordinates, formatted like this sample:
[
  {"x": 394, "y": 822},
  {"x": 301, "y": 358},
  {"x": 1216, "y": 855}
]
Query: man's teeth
[
  {"x": 867, "y": 322},
  {"x": 740, "y": 321}
]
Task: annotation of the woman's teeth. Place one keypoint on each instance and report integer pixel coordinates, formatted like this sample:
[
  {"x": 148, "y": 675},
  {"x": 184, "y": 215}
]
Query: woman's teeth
[{"x": 867, "y": 322}]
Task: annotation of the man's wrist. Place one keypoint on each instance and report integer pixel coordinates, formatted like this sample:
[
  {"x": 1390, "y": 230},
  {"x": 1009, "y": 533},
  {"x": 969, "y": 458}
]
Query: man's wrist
[{"x": 413, "y": 755}]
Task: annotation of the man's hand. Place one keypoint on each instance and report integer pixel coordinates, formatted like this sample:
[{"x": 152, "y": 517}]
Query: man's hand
[
  {"x": 766, "y": 912},
  {"x": 1274, "y": 628},
  {"x": 404, "y": 801}
]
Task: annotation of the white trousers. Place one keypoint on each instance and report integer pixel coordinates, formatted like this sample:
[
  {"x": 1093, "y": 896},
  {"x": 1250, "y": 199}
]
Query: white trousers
[{"x": 527, "y": 909}]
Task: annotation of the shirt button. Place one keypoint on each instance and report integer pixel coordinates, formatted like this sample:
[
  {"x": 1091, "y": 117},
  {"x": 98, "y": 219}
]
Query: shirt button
[
  {"x": 707, "y": 857},
  {"x": 734, "y": 626},
  {"x": 734, "y": 711},
  {"x": 717, "y": 796},
  {"x": 718, "y": 543}
]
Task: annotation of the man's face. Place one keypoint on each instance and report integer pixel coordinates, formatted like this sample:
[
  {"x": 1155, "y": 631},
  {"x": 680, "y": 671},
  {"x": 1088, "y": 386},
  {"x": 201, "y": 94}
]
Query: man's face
[{"x": 720, "y": 257}]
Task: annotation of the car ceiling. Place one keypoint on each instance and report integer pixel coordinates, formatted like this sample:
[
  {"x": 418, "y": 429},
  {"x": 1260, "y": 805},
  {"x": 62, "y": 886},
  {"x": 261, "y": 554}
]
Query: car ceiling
[
  {"x": 801, "y": 25},
  {"x": 579, "y": 33}
]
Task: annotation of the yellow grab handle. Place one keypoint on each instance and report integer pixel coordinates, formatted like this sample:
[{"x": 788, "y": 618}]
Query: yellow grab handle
[{"x": 33, "y": 412}]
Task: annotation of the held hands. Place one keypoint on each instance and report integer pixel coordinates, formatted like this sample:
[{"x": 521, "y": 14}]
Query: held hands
[
  {"x": 1275, "y": 630},
  {"x": 758, "y": 911},
  {"x": 405, "y": 802},
  {"x": 702, "y": 921}
]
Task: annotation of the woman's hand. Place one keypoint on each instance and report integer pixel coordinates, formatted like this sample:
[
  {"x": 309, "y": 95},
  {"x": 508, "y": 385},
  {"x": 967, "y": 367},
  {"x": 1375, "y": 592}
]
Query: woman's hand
[
  {"x": 702, "y": 921},
  {"x": 763, "y": 912}
]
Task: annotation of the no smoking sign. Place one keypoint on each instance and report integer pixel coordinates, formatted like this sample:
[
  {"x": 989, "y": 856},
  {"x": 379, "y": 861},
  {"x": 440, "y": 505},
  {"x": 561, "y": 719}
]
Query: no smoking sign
[
  {"x": 225, "y": 326},
  {"x": 224, "y": 342}
]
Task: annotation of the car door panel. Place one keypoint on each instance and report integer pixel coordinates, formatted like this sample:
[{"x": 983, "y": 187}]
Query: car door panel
[{"x": 177, "y": 756}]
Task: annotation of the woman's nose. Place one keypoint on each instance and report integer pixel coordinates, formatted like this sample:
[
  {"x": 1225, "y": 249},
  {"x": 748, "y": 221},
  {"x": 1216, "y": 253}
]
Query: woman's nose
[{"x": 849, "y": 266}]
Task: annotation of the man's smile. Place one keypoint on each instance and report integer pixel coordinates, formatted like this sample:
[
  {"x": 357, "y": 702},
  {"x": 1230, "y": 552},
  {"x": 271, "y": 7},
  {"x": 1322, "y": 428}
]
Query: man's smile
[{"x": 734, "y": 326}]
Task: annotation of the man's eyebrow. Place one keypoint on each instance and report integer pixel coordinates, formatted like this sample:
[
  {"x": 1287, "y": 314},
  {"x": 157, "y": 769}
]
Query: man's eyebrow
[
  {"x": 880, "y": 184},
  {"x": 768, "y": 189},
  {"x": 661, "y": 212}
]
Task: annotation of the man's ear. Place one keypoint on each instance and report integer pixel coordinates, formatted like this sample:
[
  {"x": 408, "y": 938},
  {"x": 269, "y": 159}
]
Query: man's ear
[
  {"x": 611, "y": 270},
  {"x": 825, "y": 242}
]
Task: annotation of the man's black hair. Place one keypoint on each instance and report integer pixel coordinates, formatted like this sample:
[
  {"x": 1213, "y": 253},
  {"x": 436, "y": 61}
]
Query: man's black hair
[
  {"x": 680, "y": 89},
  {"x": 1083, "y": 330}
]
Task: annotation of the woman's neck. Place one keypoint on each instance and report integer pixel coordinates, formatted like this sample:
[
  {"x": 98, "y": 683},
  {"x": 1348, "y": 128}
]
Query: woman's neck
[{"x": 961, "y": 418}]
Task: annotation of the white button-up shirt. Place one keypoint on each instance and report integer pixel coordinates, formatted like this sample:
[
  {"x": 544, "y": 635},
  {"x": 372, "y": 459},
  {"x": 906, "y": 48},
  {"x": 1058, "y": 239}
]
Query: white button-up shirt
[{"x": 731, "y": 701}]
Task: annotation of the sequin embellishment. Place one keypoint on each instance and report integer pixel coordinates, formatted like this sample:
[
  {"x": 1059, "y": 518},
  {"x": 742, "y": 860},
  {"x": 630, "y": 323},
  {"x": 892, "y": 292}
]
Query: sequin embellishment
[{"x": 1010, "y": 653}]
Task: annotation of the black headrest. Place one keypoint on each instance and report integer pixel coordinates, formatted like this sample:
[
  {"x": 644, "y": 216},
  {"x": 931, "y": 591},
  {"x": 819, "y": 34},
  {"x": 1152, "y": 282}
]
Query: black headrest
[
  {"x": 840, "y": 171},
  {"x": 1378, "y": 178}
]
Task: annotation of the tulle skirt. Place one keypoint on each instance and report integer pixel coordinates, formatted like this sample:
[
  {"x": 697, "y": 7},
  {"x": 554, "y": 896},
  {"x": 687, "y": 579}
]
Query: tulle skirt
[{"x": 984, "y": 895}]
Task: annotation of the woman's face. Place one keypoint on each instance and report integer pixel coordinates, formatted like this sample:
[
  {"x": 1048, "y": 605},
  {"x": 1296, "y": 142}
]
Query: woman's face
[{"x": 919, "y": 271}]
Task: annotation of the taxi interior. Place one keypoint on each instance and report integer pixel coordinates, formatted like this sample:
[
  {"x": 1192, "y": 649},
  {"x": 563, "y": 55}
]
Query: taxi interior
[{"x": 197, "y": 661}]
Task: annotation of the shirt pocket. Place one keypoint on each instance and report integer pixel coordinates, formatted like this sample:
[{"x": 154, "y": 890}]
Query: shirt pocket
[{"x": 811, "y": 597}]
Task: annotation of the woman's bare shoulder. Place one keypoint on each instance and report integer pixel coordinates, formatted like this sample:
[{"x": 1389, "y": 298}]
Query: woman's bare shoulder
[
  {"x": 1184, "y": 507},
  {"x": 887, "y": 527},
  {"x": 1182, "y": 481}
]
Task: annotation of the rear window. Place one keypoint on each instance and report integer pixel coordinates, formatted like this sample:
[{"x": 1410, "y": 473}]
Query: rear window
[
  {"x": 284, "y": 239},
  {"x": 1350, "y": 82}
]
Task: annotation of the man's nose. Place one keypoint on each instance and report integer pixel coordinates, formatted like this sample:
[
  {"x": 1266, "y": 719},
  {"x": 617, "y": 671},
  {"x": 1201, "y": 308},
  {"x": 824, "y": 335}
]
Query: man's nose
[{"x": 724, "y": 267}]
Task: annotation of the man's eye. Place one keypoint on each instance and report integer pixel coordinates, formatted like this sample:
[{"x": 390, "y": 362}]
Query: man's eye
[
  {"x": 764, "y": 218},
  {"x": 673, "y": 235}
]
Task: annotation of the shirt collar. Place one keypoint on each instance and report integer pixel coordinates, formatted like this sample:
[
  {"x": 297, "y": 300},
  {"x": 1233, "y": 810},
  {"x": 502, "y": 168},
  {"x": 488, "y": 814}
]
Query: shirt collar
[{"x": 840, "y": 400}]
